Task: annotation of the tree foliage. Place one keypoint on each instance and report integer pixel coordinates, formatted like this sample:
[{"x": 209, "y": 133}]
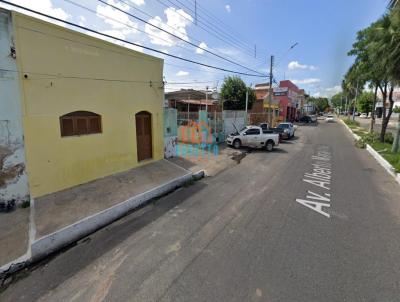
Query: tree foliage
[
  {"x": 321, "y": 104},
  {"x": 365, "y": 102},
  {"x": 377, "y": 62},
  {"x": 338, "y": 101},
  {"x": 233, "y": 94}
]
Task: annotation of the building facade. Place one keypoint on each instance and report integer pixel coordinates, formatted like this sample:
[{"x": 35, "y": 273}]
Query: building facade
[
  {"x": 191, "y": 100},
  {"x": 76, "y": 108}
]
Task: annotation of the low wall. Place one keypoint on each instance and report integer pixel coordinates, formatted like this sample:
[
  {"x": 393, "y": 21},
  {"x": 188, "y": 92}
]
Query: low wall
[{"x": 170, "y": 146}]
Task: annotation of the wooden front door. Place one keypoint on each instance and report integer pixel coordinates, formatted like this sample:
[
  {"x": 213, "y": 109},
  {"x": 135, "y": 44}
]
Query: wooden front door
[{"x": 143, "y": 135}]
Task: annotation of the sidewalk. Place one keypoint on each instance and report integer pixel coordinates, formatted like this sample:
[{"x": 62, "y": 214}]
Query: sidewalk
[
  {"x": 210, "y": 160},
  {"x": 61, "y": 218},
  {"x": 14, "y": 235}
]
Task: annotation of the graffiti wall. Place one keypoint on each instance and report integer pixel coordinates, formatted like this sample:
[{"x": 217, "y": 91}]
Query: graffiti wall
[{"x": 13, "y": 178}]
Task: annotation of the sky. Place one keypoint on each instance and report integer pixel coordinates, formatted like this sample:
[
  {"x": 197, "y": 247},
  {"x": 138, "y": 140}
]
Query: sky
[{"x": 242, "y": 33}]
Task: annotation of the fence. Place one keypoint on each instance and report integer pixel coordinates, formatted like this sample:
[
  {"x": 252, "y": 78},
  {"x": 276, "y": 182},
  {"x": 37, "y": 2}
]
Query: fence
[
  {"x": 187, "y": 118},
  {"x": 170, "y": 132},
  {"x": 233, "y": 120}
]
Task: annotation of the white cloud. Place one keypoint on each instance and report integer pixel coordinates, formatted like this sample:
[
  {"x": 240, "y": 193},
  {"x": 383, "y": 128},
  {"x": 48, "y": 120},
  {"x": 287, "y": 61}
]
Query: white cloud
[
  {"x": 327, "y": 92},
  {"x": 176, "y": 23},
  {"x": 306, "y": 81},
  {"x": 138, "y": 2},
  {"x": 117, "y": 19},
  {"x": 82, "y": 20},
  {"x": 333, "y": 90},
  {"x": 296, "y": 65},
  {"x": 44, "y": 6},
  {"x": 228, "y": 8},
  {"x": 202, "y": 45},
  {"x": 182, "y": 73}
]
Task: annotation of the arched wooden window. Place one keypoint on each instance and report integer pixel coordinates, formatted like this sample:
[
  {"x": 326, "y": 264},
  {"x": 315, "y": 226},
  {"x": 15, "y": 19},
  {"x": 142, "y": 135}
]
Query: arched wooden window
[{"x": 80, "y": 123}]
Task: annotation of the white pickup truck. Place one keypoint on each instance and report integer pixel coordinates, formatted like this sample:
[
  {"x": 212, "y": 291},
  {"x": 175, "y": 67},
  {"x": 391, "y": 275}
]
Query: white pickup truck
[{"x": 254, "y": 137}]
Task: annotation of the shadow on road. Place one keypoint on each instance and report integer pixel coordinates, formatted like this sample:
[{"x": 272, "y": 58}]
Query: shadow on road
[{"x": 87, "y": 250}]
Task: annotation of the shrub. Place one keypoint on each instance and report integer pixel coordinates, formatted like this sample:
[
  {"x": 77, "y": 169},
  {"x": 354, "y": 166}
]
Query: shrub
[
  {"x": 367, "y": 138},
  {"x": 350, "y": 122}
]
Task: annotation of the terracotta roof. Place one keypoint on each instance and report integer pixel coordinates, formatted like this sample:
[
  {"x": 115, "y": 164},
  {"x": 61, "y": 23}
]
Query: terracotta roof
[{"x": 197, "y": 102}]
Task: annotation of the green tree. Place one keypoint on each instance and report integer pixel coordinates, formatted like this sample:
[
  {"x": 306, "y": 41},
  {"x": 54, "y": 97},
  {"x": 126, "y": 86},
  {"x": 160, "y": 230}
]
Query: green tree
[
  {"x": 396, "y": 141},
  {"x": 377, "y": 61},
  {"x": 338, "y": 101},
  {"x": 321, "y": 104},
  {"x": 233, "y": 94},
  {"x": 365, "y": 102}
]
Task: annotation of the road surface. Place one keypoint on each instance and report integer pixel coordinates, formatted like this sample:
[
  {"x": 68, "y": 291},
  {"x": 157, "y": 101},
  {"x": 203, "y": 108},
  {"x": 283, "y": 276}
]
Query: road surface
[{"x": 273, "y": 228}]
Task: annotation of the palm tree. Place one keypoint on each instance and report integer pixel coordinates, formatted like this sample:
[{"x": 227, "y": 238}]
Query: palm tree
[{"x": 392, "y": 3}]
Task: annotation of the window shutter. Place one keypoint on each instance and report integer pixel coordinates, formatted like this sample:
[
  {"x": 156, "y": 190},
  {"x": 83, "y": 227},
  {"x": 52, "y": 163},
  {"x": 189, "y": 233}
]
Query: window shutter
[
  {"x": 67, "y": 127},
  {"x": 94, "y": 124},
  {"x": 81, "y": 125}
]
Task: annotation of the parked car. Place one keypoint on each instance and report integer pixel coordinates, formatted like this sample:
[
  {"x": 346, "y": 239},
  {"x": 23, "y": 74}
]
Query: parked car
[
  {"x": 254, "y": 137},
  {"x": 363, "y": 115},
  {"x": 267, "y": 129},
  {"x": 288, "y": 129},
  {"x": 329, "y": 118},
  {"x": 305, "y": 119}
]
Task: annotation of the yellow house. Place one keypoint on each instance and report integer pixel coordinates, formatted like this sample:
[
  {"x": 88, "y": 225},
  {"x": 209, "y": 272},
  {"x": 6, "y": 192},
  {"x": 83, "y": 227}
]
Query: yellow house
[{"x": 89, "y": 108}]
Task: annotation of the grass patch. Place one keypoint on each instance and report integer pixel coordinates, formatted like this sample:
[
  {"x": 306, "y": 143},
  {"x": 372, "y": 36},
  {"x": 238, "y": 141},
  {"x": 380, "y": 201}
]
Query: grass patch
[
  {"x": 25, "y": 204},
  {"x": 384, "y": 149},
  {"x": 372, "y": 139},
  {"x": 351, "y": 123},
  {"x": 359, "y": 132}
]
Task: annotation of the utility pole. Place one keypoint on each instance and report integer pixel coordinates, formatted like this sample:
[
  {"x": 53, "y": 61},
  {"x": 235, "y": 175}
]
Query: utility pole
[
  {"x": 206, "y": 98},
  {"x": 270, "y": 90}
]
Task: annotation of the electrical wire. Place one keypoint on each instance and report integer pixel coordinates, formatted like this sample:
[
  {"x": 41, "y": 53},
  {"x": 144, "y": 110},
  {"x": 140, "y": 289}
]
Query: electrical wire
[
  {"x": 173, "y": 35},
  {"x": 232, "y": 38},
  {"x": 189, "y": 36},
  {"x": 211, "y": 32},
  {"x": 52, "y": 76},
  {"x": 125, "y": 41},
  {"x": 247, "y": 51}
]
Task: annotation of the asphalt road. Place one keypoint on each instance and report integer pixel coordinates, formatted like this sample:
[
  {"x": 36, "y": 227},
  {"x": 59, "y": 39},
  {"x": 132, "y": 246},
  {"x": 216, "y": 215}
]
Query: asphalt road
[{"x": 242, "y": 236}]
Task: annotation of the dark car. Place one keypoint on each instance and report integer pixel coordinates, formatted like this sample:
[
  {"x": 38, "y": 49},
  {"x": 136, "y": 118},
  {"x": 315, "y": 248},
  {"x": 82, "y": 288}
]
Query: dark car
[
  {"x": 267, "y": 129},
  {"x": 305, "y": 119}
]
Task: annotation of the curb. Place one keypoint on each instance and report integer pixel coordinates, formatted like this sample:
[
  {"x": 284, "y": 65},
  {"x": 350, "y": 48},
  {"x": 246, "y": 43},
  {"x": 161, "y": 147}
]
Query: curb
[
  {"x": 379, "y": 158},
  {"x": 357, "y": 137},
  {"x": 384, "y": 163},
  {"x": 44, "y": 246}
]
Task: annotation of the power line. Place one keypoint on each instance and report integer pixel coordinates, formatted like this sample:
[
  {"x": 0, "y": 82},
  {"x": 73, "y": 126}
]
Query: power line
[
  {"x": 175, "y": 36},
  {"x": 151, "y": 16},
  {"x": 120, "y": 53},
  {"x": 212, "y": 32},
  {"x": 115, "y": 20},
  {"x": 222, "y": 30},
  {"x": 125, "y": 41},
  {"x": 52, "y": 76},
  {"x": 211, "y": 15},
  {"x": 249, "y": 51}
]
